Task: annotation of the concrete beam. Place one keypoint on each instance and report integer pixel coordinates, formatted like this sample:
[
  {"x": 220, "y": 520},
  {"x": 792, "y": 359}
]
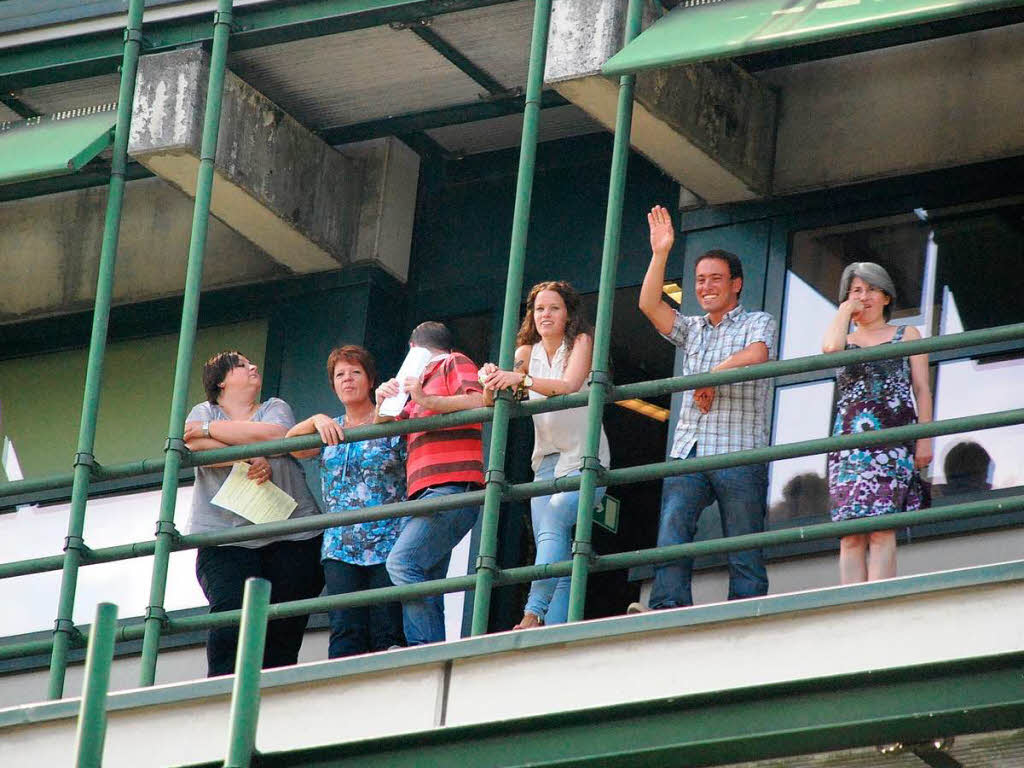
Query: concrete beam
[
  {"x": 63, "y": 232},
  {"x": 907, "y": 109},
  {"x": 709, "y": 126},
  {"x": 276, "y": 183}
]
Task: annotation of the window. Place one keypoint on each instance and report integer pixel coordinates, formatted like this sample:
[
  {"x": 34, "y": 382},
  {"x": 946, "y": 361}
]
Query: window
[{"x": 955, "y": 269}]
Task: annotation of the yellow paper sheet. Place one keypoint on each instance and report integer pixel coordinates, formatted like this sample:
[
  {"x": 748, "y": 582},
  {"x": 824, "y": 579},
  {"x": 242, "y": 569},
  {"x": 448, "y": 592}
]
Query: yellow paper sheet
[{"x": 264, "y": 503}]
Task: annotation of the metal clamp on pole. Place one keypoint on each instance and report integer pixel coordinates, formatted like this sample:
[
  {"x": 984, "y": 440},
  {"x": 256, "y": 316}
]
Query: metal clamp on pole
[
  {"x": 600, "y": 379},
  {"x": 496, "y": 476},
  {"x": 68, "y": 627},
  {"x": 135, "y": 36},
  {"x": 224, "y": 17},
  {"x": 176, "y": 444},
  {"x": 582, "y": 548},
  {"x": 86, "y": 459},
  {"x": 157, "y": 612},
  {"x": 168, "y": 528},
  {"x": 76, "y": 542},
  {"x": 487, "y": 562},
  {"x": 593, "y": 463}
]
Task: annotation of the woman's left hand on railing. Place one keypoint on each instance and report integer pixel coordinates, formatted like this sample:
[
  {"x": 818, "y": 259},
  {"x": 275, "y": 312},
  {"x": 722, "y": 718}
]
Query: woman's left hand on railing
[{"x": 259, "y": 470}]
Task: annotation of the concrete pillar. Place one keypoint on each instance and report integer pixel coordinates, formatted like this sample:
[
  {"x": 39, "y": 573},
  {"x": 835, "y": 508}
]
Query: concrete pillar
[
  {"x": 709, "y": 126},
  {"x": 276, "y": 183}
]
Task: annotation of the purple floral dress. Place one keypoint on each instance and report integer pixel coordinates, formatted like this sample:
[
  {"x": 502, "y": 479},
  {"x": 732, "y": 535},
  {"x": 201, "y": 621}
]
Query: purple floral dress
[{"x": 873, "y": 481}]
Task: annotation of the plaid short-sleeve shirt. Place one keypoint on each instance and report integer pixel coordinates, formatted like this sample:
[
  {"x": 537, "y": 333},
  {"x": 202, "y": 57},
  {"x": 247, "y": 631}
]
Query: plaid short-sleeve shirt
[{"x": 738, "y": 419}]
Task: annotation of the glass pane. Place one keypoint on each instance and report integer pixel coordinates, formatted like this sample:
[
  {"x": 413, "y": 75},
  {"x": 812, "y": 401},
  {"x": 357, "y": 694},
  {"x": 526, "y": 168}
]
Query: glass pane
[
  {"x": 798, "y": 488},
  {"x": 973, "y": 255},
  {"x": 34, "y": 531},
  {"x": 974, "y": 462}
]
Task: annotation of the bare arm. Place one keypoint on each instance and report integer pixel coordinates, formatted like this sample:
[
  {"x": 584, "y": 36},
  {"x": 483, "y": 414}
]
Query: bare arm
[
  {"x": 752, "y": 354},
  {"x": 657, "y": 310},
  {"x": 835, "y": 334},
  {"x": 919, "y": 382},
  {"x": 576, "y": 370},
  {"x": 495, "y": 378}
]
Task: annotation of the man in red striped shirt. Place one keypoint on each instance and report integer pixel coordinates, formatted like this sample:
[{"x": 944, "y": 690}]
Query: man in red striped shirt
[{"x": 441, "y": 462}]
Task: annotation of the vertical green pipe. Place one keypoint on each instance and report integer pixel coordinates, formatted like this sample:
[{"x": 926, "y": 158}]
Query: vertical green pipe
[
  {"x": 165, "y": 533},
  {"x": 487, "y": 560},
  {"x": 581, "y": 550},
  {"x": 92, "y": 715},
  {"x": 74, "y": 546},
  {"x": 245, "y": 697}
]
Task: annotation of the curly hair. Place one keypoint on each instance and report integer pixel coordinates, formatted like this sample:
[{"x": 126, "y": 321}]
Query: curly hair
[{"x": 575, "y": 322}]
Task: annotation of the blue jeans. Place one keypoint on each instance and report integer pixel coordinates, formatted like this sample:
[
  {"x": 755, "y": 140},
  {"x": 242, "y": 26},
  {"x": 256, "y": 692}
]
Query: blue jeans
[
  {"x": 740, "y": 492},
  {"x": 422, "y": 553},
  {"x": 553, "y": 520},
  {"x": 364, "y": 628}
]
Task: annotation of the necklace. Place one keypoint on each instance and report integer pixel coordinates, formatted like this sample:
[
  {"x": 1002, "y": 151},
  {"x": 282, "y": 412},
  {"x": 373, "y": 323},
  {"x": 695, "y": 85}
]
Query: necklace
[{"x": 362, "y": 423}]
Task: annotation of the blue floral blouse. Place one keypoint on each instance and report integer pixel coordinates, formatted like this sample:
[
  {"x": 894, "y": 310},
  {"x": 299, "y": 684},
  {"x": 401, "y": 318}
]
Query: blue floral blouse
[{"x": 357, "y": 475}]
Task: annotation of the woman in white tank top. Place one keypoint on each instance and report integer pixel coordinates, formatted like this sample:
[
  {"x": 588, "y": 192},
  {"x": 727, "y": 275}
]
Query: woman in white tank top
[{"x": 553, "y": 357}]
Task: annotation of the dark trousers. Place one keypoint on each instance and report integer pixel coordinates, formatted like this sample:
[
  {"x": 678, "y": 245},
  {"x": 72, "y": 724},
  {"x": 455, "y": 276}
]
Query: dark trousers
[
  {"x": 293, "y": 570},
  {"x": 365, "y": 628}
]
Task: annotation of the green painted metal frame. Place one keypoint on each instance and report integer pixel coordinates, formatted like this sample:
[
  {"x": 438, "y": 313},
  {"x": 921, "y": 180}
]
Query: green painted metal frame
[
  {"x": 457, "y": 59},
  {"x": 42, "y": 147},
  {"x": 94, "y": 54},
  {"x": 913, "y": 703},
  {"x": 175, "y": 449},
  {"x": 74, "y": 545},
  {"x": 600, "y": 376},
  {"x": 245, "y": 694},
  {"x": 92, "y": 717},
  {"x": 487, "y": 562}
]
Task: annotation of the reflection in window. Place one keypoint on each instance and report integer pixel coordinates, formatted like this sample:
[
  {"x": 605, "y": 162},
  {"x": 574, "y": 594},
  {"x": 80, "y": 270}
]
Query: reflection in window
[
  {"x": 990, "y": 458},
  {"x": 955, "y": 270},
  {"x": 798, "y": 487},
  {"x": 34, "y": 531}
]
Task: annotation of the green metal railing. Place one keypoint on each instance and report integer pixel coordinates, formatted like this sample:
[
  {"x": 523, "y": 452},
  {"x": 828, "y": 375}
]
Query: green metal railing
[
  {"x": 488, "y": 575},
  {"x": 74, "y": 545}
]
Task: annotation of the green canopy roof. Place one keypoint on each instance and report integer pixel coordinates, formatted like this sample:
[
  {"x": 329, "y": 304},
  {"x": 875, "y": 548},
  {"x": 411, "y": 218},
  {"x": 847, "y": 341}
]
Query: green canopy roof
[
  {"x": 52, "y": 146},
  {"x": 702, "y": 30}
]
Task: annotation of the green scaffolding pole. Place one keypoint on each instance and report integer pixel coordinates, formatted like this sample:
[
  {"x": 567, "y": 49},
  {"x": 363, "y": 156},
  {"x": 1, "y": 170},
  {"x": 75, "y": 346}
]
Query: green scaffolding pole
[
  {"x": 92, "y": 714},
  {"x": 74, "y": 545},
  {"x": 175, "y": 450},
  {"x": 245, "y": 695},
  {"x": 600, "y": 382},
  {"x": 487, "y": 563}
]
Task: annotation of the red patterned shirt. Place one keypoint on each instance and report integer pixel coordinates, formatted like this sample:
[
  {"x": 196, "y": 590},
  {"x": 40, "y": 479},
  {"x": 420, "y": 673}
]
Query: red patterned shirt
[{"x": 454, "y": 454}]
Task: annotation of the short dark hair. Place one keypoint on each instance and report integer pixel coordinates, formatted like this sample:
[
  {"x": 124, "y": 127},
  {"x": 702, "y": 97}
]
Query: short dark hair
[
  {"x": 352, "y": 353},
  {"x": 735, "y": 265},
  {"x": 216, "y": 370},
  {"x": 432, "y": 335}
]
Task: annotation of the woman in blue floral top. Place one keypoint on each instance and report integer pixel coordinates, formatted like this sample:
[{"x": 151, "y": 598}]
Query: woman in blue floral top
[{"x": 368, "y": 473}]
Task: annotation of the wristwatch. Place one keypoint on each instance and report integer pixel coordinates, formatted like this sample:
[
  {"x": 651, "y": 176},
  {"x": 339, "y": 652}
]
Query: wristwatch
[
  {"x": 206, "y": 428},
  {"x": 527, "y": 381}
]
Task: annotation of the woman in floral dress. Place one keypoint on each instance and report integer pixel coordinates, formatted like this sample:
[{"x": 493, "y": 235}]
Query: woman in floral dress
[
  {"x": 864, "y": 482},
  {"x": 368, "y": 473}
]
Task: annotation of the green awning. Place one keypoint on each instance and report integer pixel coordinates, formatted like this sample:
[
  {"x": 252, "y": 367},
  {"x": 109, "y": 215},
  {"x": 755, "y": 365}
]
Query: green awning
[
  {"x": 703, "y": 30},
  {"x": 52, "y": 146}
]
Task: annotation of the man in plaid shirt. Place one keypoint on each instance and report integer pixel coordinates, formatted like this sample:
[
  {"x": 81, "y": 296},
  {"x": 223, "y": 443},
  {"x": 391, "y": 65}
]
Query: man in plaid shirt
[{"x": 712, "y": 420}]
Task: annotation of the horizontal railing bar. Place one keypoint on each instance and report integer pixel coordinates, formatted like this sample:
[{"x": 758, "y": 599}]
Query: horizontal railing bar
[
  {"x": 523, "y": 574},
  {"x": 652, "y": 388},
  {"x": 522, "y": 491}
]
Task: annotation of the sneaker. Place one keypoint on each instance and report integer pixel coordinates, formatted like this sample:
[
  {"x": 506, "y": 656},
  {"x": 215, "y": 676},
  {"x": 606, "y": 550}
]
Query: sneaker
[{"x": 635, "y": 608}]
